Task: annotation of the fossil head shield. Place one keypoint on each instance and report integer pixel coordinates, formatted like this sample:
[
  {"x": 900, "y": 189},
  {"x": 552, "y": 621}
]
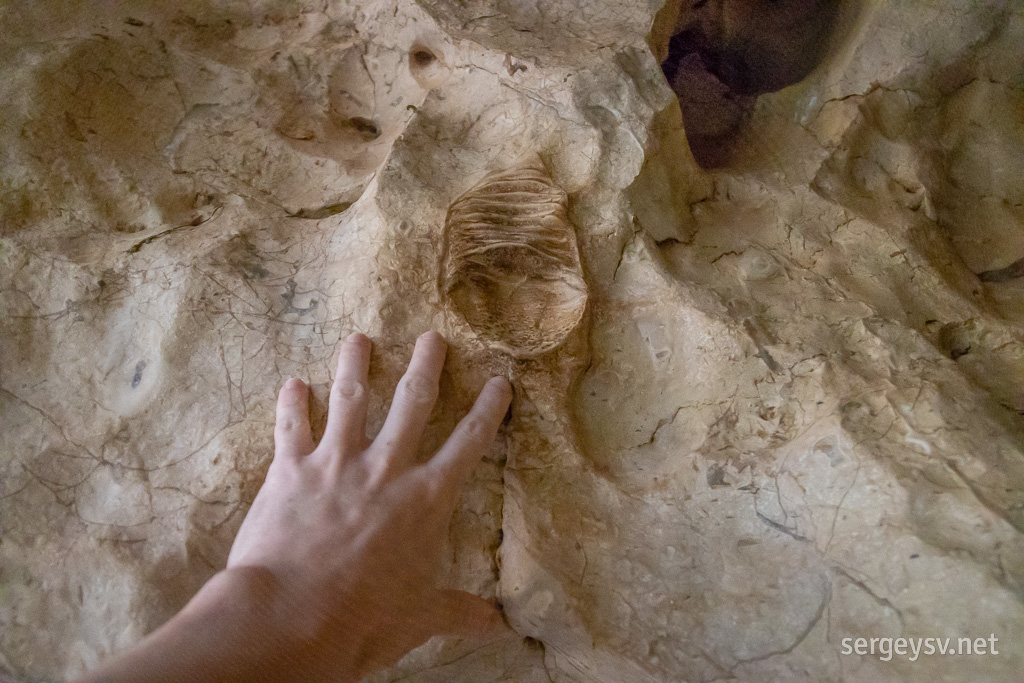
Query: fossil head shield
[{"x": 511, "y": 267}]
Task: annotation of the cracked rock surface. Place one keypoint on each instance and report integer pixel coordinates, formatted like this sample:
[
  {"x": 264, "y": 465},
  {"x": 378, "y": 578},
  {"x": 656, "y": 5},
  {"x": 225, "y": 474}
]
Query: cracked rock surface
[{"x": 791, "y": 412}]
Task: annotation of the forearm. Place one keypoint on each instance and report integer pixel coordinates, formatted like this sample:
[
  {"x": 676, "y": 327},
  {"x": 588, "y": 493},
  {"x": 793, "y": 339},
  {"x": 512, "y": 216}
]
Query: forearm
[{"x": 234, "y": 629}]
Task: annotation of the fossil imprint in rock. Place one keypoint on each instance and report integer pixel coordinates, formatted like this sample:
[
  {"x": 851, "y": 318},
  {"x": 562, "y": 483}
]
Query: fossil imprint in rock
[{"x": 511, "y": 264}]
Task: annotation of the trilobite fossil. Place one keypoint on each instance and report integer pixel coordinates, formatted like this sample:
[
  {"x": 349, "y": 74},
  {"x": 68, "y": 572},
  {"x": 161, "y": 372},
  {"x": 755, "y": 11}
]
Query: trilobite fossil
[{"x": 511, "y": 266}]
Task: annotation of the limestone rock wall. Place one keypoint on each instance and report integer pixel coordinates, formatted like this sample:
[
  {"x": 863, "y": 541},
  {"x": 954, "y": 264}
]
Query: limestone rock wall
[{"x": 780, "y": 400}]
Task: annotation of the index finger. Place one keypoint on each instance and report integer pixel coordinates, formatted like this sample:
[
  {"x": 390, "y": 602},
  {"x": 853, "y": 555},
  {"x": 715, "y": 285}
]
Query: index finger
[
  {"x": 346, "y": 408},
  {"x": 474, "y": 435}
]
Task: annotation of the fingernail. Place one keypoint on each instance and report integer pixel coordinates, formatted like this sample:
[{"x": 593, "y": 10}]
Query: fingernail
[{"x": 294, "y": 383}]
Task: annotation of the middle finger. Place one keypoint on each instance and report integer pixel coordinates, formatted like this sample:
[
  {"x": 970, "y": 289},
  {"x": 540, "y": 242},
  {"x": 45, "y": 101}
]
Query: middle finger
[{"x": 399, "y": 439}]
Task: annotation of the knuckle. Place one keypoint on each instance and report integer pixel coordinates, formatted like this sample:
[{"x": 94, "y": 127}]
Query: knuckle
[
  {"x": 287, "y": 425},
  {"x": 419, "y": 389},
  {"x": 475, "y": 428},
  {"x": 429, "y": 489},
  {"x": 348, "y": 390}
]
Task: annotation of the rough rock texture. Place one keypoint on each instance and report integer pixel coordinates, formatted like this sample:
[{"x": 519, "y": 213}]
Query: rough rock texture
[{"x": 789, "y": 414}]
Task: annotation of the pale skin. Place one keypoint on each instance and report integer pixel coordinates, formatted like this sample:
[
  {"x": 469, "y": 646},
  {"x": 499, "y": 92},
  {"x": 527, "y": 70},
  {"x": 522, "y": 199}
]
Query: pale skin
[{"x": 332, "y": 573}]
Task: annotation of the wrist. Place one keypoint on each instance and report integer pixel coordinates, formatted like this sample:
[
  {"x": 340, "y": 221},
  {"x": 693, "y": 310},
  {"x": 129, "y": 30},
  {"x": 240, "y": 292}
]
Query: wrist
[
  {"x": 240, "y": 595},
  {"x": 241, "y": 626},
  {"x": 279, "y": 633}
]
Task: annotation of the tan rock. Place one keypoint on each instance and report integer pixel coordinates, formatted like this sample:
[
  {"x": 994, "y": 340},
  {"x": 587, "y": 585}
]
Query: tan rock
[{"x": 788, "y": 412}]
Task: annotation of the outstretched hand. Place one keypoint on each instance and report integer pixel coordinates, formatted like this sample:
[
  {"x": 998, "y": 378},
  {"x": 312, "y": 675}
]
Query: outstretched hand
[
  {"x": 332, "y": 573},
  {"x": 354, "y": 529}
]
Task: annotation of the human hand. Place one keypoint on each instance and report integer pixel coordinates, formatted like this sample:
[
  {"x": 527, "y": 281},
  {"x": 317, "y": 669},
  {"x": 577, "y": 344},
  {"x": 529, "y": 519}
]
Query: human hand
[
  {"x": 352, "y": 530},
  {"x": 331, "y": 574}
]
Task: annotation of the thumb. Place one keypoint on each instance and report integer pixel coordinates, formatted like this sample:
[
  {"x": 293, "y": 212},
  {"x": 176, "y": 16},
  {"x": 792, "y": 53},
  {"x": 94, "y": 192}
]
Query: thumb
[{"x": 465, "y": 614}]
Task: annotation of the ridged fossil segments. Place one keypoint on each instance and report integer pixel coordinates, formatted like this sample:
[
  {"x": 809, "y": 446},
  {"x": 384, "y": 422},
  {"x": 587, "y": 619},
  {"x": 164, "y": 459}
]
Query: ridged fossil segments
[{"x": 511, "y": 265}]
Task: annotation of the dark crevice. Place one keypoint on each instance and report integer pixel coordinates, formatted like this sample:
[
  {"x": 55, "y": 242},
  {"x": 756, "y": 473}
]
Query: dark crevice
[
  {"x": 1013, "y": 271},
  {"x": 322, "y": 212},
  {"x": 195, "y": 222},
  {"x": 723, "y": 54}
]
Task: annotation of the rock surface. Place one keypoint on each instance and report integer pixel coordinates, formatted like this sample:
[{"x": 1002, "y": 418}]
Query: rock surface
[{"x": 790, "y": 413}]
